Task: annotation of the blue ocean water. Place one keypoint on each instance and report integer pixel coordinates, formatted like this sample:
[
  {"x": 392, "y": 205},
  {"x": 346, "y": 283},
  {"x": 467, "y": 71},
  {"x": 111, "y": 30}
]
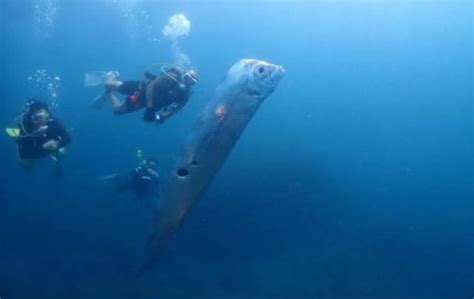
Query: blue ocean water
[{"x": 353, "y": 180}]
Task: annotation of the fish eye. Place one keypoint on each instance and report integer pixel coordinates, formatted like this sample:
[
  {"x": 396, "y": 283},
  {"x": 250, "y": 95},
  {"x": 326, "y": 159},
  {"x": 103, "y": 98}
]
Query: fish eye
[{"x": 261, "y": 69}]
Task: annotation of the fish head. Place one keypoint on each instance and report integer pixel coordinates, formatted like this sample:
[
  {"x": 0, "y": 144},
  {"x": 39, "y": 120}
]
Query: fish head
[
  {"x": 255, "y": 77},
  {"x": 263, "y": 77}
]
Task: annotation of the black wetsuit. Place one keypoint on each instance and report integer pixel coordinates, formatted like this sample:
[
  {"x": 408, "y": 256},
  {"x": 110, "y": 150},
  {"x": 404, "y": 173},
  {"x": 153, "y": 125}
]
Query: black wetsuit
[
  {"x": 31, "y": 139},
  {"x": 165, "y": 90},
  {"x": 136, "y": 94},
  {"x": 138, "y": 180}
]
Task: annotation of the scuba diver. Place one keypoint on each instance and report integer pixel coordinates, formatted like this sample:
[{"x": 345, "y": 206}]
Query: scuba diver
[
  {"x": 39, "y": 135},
  {"x": 142, "y": 180},
  {"x": 162, "y": 95}
]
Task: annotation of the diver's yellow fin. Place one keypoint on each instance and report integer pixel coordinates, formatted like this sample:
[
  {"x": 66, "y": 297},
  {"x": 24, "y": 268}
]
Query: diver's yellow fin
[{"x": 13, "y": 132}]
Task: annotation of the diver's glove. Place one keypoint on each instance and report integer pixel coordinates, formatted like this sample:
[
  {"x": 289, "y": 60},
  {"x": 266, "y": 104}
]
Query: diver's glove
[{"x": 150, "y": 115}]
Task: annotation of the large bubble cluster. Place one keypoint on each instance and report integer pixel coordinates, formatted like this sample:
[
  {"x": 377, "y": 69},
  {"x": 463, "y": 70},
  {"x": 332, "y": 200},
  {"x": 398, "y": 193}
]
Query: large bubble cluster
[
  {"x": 46, "y": 85},
  {"x": 178, "y": 26}
]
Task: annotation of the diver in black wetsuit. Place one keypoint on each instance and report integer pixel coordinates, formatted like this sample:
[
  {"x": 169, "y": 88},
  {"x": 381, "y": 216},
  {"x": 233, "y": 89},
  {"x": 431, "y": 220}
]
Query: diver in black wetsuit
[
  {"x": 161, "y": 95},
  {"x": 142, "y": 180},
  {"x": 41, "y": 135}
]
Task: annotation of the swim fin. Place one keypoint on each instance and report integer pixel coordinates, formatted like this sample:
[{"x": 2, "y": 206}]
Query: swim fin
[
  {"x": 99, "y": 100},
  {"x": 108, "y": 177},
  {"x": 96, "y": 78},
  {"x": 13, "y": 133}
]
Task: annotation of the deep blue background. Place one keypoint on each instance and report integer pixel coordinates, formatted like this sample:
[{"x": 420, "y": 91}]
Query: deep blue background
[{"x": 354, "y": 180}]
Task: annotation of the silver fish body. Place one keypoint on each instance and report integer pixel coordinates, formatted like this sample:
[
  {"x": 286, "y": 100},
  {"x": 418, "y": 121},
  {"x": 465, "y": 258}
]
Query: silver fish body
[{"x": 235, "y": 101}]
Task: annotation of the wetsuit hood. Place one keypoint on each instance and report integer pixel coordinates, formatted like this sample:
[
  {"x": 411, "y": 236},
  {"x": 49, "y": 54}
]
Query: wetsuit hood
[{"x": 33, "y": 105}]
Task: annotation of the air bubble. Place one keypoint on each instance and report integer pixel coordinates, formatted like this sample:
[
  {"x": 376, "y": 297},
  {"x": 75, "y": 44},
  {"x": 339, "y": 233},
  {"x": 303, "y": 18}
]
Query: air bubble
[{"x": 45, "y": 86}]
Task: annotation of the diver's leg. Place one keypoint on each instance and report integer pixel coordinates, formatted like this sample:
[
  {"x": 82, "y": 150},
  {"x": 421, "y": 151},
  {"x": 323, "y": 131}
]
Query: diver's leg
[
  {"x": 112, "y": 83},
  {"x": 99, "y": 101},
  {"x": 119, "y": 107},
  {"x": 114, "y": 100},
  {"x": 58, "y": 169},
  {"x": 24, "y": 152}
]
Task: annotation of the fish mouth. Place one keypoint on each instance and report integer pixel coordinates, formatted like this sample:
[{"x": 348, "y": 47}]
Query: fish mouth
[
  {"x": 267, "y": 85},
  {"x": 277, "y": 73},
  {"x": 275, "y": 76}
]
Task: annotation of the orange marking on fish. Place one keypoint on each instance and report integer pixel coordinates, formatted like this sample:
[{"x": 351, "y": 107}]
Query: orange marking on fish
[{"x": 220, "y": 111}]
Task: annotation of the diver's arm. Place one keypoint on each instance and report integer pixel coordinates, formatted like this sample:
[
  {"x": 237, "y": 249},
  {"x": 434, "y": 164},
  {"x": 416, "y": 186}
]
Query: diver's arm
[
  {"x": 156, "y": 91},
  {"x": 153, "y": 174},
  {"x": 150, "y": 95},
  {"x": 63, "y": 138},
  {"x": 170, "y": 110},
  {"x": 152, "y": 91}
]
